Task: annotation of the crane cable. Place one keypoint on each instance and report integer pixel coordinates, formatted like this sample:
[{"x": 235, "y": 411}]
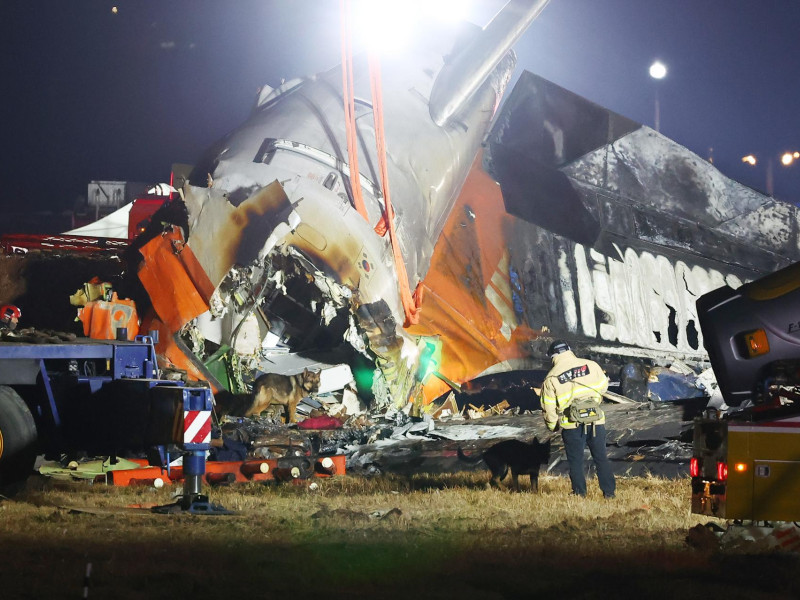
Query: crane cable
[{"x": 411, "y": 301}]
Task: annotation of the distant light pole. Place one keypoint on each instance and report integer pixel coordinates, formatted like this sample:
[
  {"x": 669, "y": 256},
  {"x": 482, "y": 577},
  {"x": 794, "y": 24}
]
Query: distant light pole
[
  {"x": 658, "y": 71},
  {"x": 787, "y": 159}
]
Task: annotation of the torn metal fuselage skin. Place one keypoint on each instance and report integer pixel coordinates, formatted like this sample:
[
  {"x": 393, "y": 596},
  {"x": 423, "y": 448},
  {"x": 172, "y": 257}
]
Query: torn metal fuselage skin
[
  {"x": 621, "y": 228},
  {"x": 294, "y": 268},
  {"x": 577, "y": 223}
]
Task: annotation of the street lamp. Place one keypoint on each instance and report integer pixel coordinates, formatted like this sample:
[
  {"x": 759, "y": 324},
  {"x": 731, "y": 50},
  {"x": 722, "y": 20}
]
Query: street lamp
[
  {"x": 787, "y": 158},
  {"x": 658, "y": 71}
]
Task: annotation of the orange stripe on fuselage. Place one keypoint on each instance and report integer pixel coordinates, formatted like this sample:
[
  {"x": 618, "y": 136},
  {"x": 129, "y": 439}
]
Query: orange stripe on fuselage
[{"x": 470, "y": 252}]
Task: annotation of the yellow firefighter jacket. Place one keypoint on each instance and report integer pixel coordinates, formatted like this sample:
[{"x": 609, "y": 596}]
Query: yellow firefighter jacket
[{"x": 571, "y": 377}]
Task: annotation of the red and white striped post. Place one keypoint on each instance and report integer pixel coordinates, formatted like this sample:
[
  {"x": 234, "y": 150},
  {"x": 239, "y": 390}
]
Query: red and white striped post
[{"x": 197, "y": 406}]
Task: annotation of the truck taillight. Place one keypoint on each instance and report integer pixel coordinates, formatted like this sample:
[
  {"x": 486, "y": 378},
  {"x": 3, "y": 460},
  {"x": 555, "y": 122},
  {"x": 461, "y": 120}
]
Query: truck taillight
[
  {"x": 694, "y": 467},
  {"x": 722, "y": 471}
]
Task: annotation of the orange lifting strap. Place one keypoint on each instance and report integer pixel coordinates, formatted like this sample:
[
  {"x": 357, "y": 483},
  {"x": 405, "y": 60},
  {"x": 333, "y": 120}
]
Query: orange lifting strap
[
  {"x": 348, "y": 93},
  {"x": 411, "y": 301}
]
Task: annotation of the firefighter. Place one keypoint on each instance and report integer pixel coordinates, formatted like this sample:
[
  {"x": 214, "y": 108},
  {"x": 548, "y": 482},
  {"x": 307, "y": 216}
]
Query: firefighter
[
  {"x": 576, "y": 381},
  {"x": 9, "y": 316}
]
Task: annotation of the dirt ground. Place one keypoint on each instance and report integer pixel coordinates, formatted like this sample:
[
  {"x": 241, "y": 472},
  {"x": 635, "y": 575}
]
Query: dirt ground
[{"x": 444, "y": 536}]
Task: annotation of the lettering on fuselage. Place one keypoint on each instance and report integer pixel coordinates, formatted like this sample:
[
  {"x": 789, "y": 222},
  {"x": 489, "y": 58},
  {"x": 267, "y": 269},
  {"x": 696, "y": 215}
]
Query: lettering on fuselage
[{"x": 641, "y": 299}]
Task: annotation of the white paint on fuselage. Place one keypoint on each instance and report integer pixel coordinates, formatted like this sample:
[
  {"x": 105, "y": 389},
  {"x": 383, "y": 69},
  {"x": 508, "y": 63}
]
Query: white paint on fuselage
[
  {"x": 565, "y": 283},
  {"x": 635, "y": 296}
]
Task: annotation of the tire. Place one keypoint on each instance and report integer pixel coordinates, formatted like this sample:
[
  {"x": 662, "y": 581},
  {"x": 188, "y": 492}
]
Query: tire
[{"x": 18, "y": 441}]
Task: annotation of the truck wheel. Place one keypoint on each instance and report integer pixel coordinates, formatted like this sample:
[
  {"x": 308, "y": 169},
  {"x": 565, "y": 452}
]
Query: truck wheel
[{"x": 17, "y": 441}]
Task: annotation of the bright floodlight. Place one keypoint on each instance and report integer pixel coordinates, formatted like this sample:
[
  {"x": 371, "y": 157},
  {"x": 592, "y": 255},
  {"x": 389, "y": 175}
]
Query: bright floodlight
[
  {"x": 444, "y": 10},
  {"x": 658, "y": 70},
  {"x": 387, "y": 25},
  {"x": 788, "y": 158},
  {"x": 749, "y": 159}
]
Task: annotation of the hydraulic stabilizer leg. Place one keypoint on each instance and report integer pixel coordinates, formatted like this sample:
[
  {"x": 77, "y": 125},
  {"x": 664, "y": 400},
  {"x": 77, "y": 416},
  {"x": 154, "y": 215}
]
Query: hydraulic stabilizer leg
[
  {"x": 193, "y": 501},
  {"x": 197, "y": 405},
  {"x": 194, "y": 467}
]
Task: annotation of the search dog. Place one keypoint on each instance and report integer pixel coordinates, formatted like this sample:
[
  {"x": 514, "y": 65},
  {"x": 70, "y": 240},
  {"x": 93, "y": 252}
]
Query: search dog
[
  {"x": 271, "y": 389},
  {"x": 515, "y": 455},
  {"x": 285, "y": 390}
]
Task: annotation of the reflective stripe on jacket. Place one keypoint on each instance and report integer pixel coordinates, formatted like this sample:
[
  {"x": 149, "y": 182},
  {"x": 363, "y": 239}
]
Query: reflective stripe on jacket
[{"x": 571, "y": 377}]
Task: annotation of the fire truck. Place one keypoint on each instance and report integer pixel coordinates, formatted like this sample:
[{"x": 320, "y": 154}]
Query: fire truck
[{"x": 746, "y": 459}]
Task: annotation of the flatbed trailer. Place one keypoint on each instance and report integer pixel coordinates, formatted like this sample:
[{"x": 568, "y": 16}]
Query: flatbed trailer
[{"x": 97, "y": 397}]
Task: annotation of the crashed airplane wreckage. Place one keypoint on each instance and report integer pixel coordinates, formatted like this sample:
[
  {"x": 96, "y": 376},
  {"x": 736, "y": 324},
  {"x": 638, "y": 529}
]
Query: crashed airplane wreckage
[
  {"x": 294, "y": 256},
  {"x": 601, "y": 231}
]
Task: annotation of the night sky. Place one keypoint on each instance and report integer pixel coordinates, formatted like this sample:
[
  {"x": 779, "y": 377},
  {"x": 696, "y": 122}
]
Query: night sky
[{"x": 90, "y": 94}]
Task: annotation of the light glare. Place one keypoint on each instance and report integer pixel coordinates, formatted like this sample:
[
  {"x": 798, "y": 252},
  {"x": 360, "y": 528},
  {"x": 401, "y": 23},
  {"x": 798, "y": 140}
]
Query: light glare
[
  {"x": 444, "y": 10},
  {"x": 387, "y": 26},
  {"x": 749, "y": 159},
  {"x": 658, "y": 70},
  {"x": 382, "y": 26},
  {"x": 789, "y": 157}
]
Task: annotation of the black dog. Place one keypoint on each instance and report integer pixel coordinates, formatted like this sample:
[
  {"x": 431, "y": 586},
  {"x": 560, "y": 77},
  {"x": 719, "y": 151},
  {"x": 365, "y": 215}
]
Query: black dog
[{"x": 521, "y": 458}]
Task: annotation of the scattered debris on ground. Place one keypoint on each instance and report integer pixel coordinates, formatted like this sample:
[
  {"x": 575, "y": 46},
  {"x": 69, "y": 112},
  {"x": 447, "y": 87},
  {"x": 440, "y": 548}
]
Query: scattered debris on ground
[{"x": 750, "y": 538}]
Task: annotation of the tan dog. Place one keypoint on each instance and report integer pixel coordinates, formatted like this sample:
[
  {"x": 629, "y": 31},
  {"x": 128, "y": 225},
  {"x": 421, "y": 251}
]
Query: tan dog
[{"x": 286, "y": 390}]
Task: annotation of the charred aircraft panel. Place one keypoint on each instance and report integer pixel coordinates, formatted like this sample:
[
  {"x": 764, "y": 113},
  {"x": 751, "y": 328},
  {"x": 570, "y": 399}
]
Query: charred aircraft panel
[{"x": 631, "y": 181}]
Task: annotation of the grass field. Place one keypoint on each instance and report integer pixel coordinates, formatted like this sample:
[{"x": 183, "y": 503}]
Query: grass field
[{"x": 389, "y": 537}]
